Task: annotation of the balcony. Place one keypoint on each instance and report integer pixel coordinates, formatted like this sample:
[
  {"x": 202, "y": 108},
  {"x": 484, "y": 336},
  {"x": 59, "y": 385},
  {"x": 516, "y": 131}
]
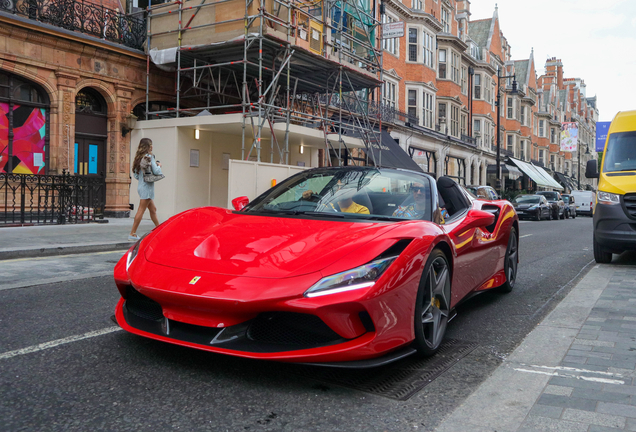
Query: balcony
[{"x": 87, "y": 18}]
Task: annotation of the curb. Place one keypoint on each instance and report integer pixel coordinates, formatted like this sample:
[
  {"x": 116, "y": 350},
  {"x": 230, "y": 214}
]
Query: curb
[
  {"x": 63, "y": 250},
  {"x": 504, "y": 400}
]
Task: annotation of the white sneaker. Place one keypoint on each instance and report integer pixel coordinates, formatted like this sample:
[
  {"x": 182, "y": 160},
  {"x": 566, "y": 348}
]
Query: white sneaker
[{"x": 133, "y": 237}]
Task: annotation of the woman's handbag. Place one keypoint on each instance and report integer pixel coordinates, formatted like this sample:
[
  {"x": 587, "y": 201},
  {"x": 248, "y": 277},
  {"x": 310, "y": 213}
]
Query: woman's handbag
[{"x": 151, "y": 178}]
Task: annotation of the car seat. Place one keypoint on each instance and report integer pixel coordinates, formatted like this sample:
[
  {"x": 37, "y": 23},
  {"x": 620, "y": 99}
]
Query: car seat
[
  {"x": 362, "y": 198},
  {"x": 451, "y": 195}
]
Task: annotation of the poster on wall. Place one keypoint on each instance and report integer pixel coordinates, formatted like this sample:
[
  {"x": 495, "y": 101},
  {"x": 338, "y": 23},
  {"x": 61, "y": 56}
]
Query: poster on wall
[
  {"x": 569, "y": 137},
  {"x": 28, "y": 143},
  {"x": 601, "y": 135}
]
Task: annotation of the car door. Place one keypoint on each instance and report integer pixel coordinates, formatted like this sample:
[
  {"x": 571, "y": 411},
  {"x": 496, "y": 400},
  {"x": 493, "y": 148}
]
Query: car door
[
  {"x": 545, "y": 207},
  {"x": 475, "y": 259}
]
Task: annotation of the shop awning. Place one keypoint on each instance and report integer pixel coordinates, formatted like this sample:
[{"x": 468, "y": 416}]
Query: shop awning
[
  {"x": 553, "y": 182},
  {"x": 534, "y": 172},
  {"x": 561, "y": 178},
  {"x": 389, "y": 154},
  {"x": 512, "y": 171}
]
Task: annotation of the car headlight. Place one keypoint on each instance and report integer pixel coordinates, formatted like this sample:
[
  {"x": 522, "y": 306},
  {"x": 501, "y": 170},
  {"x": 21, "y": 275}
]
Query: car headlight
[
  {"x": 608, "y": 198},
  {"x": 357, "y": 278},
  {"x": 133, "y": 252}
]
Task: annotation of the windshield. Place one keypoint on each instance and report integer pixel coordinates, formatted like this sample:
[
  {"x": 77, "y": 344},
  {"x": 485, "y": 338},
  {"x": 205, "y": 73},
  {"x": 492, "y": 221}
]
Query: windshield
[
  {"x": 528, "y": 200},
  {"x": 551, "y": 196},
  {"x": 620, "y": 154},
  {"x": 566, "y": 199},
  {"x": 351, "y": 192}
]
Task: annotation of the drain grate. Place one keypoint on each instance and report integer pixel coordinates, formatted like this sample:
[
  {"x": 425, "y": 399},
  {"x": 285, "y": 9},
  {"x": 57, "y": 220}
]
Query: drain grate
[{"x": 399, "y": 380}]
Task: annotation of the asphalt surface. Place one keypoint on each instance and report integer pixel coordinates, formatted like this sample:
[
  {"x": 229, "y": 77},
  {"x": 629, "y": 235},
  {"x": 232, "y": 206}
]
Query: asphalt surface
[{"x": 87, "y": 380}]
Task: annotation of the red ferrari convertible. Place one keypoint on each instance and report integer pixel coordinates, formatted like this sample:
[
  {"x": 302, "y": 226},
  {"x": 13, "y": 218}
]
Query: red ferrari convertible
[{"x": 352, "y": 266}]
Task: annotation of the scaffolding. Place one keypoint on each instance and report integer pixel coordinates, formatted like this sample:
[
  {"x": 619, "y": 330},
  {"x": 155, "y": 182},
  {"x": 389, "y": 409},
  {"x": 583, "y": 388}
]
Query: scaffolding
[{"x": 315, "y": 64}]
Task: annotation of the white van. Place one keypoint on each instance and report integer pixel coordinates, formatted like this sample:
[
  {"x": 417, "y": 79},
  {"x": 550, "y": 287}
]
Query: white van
[{"x": 585, "y": 201}]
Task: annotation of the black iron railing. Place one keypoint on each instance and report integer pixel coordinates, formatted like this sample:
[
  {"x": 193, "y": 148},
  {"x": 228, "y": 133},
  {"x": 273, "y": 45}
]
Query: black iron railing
[
  {"x": 82, "y": 17},
  {"x": 50, "y": 199}
]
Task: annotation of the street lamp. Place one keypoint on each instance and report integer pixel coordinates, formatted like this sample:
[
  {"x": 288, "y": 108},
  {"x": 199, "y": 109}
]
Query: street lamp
[
  {"x": 512, "y": 92},
  {"x": 578, "y": 162}
]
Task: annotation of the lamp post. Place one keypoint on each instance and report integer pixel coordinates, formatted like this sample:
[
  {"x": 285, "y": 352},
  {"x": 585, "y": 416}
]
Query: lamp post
[
  {"x": 578, "y": 161},
  {"x": 512, "y": 92}
]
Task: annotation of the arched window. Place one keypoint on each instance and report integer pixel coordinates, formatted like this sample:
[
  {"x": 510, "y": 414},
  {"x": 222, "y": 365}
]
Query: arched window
[
  {"x": 89, "y": 101},
  {"x": 24, "y": 126}
]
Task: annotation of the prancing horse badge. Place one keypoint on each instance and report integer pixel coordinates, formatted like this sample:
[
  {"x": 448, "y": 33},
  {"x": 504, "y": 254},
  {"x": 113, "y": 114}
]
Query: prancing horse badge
[{"x": 195, "y": 280}]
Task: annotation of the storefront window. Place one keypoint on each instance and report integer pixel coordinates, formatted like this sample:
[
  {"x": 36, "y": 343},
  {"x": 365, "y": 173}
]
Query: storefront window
[{"x": 24, "y": 126}]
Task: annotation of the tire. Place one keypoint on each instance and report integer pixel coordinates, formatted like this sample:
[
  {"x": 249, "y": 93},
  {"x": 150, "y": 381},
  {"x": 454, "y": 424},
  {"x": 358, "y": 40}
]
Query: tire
[
  {"x": 550, "y": 215},
  {"x": 432, "y": 307},
  {"x": 600, "y": 255},
  {"x": 567, "y": 215},
  {"x": 511, "y": 261},
  {"x": 563, "y": 215},
  {"x": 538, "y": 217}
]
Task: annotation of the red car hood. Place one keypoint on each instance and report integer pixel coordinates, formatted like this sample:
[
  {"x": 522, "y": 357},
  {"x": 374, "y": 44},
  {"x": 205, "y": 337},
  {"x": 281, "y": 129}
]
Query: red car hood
[{"x": 220, "y": 241}]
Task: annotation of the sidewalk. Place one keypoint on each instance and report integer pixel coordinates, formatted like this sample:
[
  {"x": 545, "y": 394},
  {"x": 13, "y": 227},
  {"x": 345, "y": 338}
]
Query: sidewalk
[
  {"x": 38, "y": 241},
  {"x": 575, "y": 372}
]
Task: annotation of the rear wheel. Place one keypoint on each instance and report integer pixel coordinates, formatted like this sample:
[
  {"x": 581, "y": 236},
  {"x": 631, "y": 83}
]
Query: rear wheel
[
  {"x": 432, "y": 306},
  {"x": 511, "y": 262},
  {"x": 601, "y": 256}
]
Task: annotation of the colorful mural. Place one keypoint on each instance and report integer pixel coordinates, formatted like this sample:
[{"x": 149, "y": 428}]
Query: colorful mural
[
  {"x": 29, "y": 131},
  {"x": 4, "y": 135}
]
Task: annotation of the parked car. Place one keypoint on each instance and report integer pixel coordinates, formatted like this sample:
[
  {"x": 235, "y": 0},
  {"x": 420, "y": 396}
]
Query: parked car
[
  {"x": 555, "y": 200},
  {"x": 570, "y": 205},
  {"x": 331, "y": 265},
  {"x": 585, "y": 202},
  {"x": 534, "y": 207},
  {"x": 485, "y": 192}
]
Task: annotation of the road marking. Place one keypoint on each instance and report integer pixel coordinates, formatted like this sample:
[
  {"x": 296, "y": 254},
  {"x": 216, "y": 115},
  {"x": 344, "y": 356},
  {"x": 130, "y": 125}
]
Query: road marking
[
  {"x": 52, "y": 344},
  {"x": 564, "y": 375},
  {"x": 527, "y": 235},
  {"x": 571, "y": 369},
  {"x": 122, "y": 252}
]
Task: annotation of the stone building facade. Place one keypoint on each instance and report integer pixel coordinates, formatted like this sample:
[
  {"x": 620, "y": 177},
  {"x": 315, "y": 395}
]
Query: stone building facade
[{"x": 87, "y": 88}]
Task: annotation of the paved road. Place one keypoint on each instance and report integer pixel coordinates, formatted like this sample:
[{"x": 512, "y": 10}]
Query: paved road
[{"x": 90, "y": 376}]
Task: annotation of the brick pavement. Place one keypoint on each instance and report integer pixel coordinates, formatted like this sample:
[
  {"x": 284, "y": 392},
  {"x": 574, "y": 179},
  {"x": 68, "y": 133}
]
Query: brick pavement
[{"x": 575, "y": 372}]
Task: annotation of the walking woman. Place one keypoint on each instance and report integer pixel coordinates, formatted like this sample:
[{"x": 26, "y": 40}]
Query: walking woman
[{"x": 146, "y": 190}]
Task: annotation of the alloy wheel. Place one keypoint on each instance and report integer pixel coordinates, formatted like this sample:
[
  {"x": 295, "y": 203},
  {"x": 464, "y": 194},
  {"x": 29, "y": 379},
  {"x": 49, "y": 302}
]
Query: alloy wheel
[
  {"x": 433, "y": 308},
  {"x": 511, "y": 262}
]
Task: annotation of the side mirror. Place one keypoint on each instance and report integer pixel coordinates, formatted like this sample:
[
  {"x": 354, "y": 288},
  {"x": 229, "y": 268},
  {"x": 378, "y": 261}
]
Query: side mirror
[
  {"x": 240, "y": 202},
  {"x": 591, "y": 169},
  {"x": 478, "y": 219}
]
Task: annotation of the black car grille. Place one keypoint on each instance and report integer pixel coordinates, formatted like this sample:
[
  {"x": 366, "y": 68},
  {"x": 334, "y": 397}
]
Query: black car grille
[
  {"x": 142, "y": 306},
  {"x": 629, "y": 200},
  {"x": 289, "y": 328}
]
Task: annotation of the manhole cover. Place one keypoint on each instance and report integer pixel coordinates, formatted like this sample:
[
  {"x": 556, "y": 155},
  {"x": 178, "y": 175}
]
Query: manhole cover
[{"x": 399, "y": 380}]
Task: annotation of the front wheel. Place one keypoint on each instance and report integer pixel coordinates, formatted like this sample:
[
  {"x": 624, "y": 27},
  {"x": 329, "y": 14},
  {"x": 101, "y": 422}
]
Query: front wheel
[
  {"x": 600, "y": 255},
  {"x": 510, "y": 262},
  {"x": 432, "y": 306}
]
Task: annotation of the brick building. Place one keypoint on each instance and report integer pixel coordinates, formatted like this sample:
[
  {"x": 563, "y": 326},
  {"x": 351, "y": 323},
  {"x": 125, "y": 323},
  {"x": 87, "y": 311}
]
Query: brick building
[
  {"x": 75, "y": 78},
  {"x": 443, "y": 76}
]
